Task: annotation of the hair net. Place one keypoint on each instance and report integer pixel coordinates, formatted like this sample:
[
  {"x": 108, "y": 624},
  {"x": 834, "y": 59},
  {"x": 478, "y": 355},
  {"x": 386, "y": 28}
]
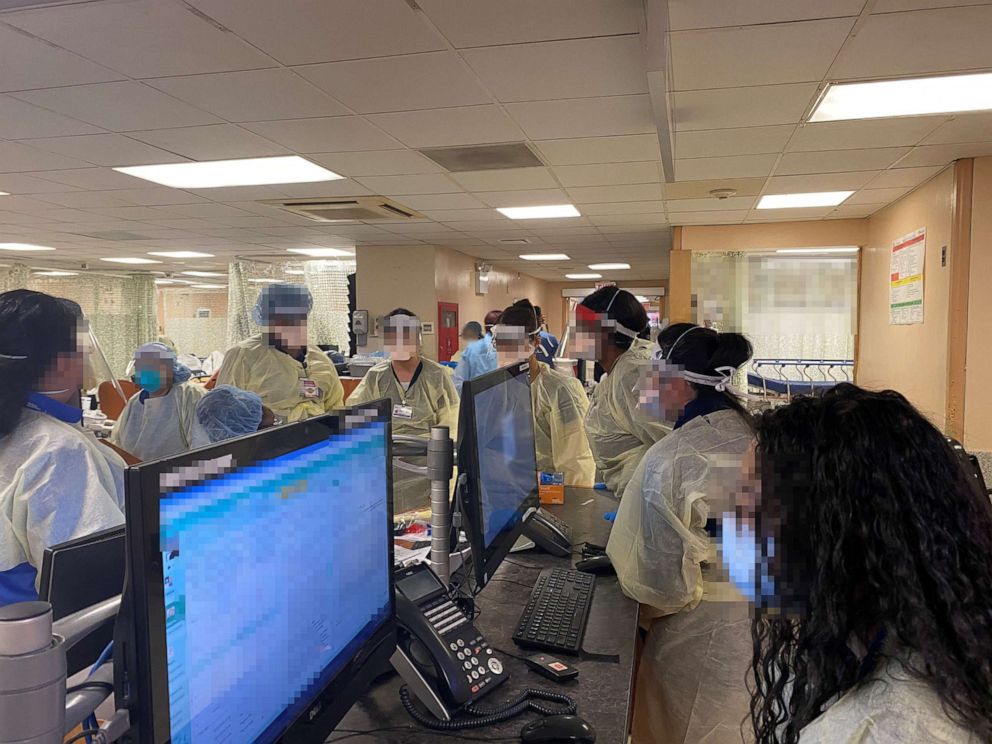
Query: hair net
[
  {"x": 281, "y": 299},
  {"x": 157, "y": 350},
  {"x": 227, "y": 412}
]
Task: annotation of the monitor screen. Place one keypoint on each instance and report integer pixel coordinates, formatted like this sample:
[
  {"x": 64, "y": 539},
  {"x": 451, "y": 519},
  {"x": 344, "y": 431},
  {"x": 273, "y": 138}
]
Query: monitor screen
[
  {"x": 274, "y": 574},
  {"x": 504, "y": 434}
]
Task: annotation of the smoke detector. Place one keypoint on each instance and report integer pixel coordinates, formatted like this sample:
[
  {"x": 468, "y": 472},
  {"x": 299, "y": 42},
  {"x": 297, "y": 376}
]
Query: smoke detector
[{"x": 723, "y": 193}]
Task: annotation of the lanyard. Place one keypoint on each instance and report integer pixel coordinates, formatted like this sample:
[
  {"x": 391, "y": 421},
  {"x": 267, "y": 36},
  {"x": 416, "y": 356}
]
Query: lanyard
[{"x": 61, "y": 411}]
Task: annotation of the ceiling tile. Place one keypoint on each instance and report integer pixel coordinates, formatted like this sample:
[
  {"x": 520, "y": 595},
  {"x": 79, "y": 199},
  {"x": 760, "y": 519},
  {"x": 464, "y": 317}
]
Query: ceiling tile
[
  {"x": 404, "y": 83},
  {"x": 756, "y": 55},
  {"x": 945, "y": 40},
  {"x": 898, "y": 177},
  {"x": 608, "y": 174},
  {"x": 20, "y": 120},
  {"x": 376, "y": 163},
  {"x": 818, "y": 182},
  {"x": 707, "y": 218},
  {"x": 462, "y": 215},
  {"x": 253, "y": 95},
  {"x": 105, "y": 149},
  {"x": 18, "y": 183},
  {"x": 119, "y": 107},
  {"x": 342, "y": 187},
  {"x": 96, "y": 179},
  {"x": 651, "y": 218},
  {"x": 848, "y": 211},
  {"x": 710, "y": 205},
  {"x": 787, "y": 215},
  {"x": 298, "y": 32},
  {"x": 634, "y": 207},
  {"x": 468, "y": 125},
  {"x": 686, "y": 14},
  {"x": 895, "y": 6},
  {"x": 130, "y": 213},
  {"x": 578, "y": 68},
  {"x": 736, "y": 166},
  {"x": 724, "y": 142},
  {"x": 27, "y": 63},
  {"x": 506, "y": 180},
  {"x": 755, "y": 106},
  {"x": 532, "y": 198},
  {"x": 584, "y": 117},
  {"x": 875, "y": 196},
  {"x": 203, "y": 211},
  {"x": 702, "y": 189},
  {"x": 433, "y": 183},
  {"x": 474, "y": 23},
  {"x": 154, "y": 196},
  {"x": 213, "y": 142},
  {"x": 863, "y": 134},
  {"x": 962, "y": 128},
  {"x": 591, "y": 150},
  {"x": 631, "y": 192},
  {"x": 82, "y": 199},
  {"x": 442, "y": 201},
  {"x": 335, "y": 134},
  {"x": 837, "y": 161},
  {"x": 944, "y": 154},
  {"x": 16, "y": 158}
]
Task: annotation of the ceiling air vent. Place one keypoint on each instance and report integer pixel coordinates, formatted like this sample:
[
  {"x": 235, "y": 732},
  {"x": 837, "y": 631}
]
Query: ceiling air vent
[
  {"x": 483, "y": 157},
  {"x": 356, "y": 209}
]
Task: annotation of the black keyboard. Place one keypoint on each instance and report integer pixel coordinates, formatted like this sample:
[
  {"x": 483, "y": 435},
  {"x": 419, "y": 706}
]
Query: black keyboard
[{"x": 556, "y": 613}]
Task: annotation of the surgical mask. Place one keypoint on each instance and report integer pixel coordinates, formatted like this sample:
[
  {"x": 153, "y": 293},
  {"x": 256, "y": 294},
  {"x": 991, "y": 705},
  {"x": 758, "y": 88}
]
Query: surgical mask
[
  {"x": 400, "y": 352},
  {"x": 743, "y": 557},
  {"x": 148, "y": 379}
]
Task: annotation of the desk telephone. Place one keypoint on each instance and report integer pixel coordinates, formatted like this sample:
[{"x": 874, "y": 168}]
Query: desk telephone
[{"x": 440, "y": 654}]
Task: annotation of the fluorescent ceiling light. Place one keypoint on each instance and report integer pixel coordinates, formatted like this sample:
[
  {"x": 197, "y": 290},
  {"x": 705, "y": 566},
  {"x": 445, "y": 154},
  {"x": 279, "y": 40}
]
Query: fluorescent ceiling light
[
  {"x": 207, "y": 274},
  {"x": 217, "y": 173},
  {"x": 806, "y": 251},
  {"x": 322, "y": 252},
  {"x": 181, "y": 254},
  {"x": 583, "y": 276},
  {"x": 641, "y": 298},
  {"x": 610, "y": 266},
  {"x": 164, "y": 281},
  {"x": 946, "y": 94},
  {"x": 209, "y": 286},
  {"x": 4, "y": 193},
  {"x": 130, "y": 260},
  {"x": 24, "y": 247},
  {"x": 794, "y": 201},
  {"x": 264, "y": 281},
  {"x": 294, "y": 272},
  {"x": 56, "y": 273},
  {"x": 545, "y": 257},
  {"x": 549, "y": 211}
]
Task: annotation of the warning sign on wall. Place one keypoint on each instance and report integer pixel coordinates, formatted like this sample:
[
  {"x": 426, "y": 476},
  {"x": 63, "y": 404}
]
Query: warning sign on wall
[{"x": 906, "y": 278}]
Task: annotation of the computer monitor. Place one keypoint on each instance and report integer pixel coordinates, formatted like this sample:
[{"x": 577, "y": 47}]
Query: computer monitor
[
  {"x": 78, "y": 574},
  {"x": 260, "y": 583},
  {"x": 497, "y": 465}
]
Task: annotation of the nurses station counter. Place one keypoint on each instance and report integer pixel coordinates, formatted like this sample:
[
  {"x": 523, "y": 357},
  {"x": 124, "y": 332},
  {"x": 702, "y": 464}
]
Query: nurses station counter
[{"x": 603, "y": 687}]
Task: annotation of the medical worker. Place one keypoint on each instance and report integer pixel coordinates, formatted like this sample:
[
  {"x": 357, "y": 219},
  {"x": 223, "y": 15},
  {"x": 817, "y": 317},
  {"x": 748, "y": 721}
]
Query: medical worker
[
  {"x": 471, "y": 333},
  {"x": 691, "y": 679},
  {"x": 548, "y": 346},
  {"x": 226, "y": 412},
  {"x": 55, "y": 482},
  {"x": 421, "y": 393},
  {"x": 480, "y": 357},
  {"x": 559, "y": 401},
  {"x": 296, "y": 380},
  {"x": 612, "y": 328},
  {"x": 158, "y": 420},
  {"x": 865, "y": 545}
]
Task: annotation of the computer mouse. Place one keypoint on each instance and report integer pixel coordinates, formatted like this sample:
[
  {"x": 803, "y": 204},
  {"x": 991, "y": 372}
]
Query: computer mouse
[
  {"x": 558, "y": 730},
  {"x": 596, "y": 564}
]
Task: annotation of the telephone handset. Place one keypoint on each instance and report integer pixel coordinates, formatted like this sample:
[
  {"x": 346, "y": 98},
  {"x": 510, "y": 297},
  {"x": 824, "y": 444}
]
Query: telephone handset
[{"x": 440, "y": 654}]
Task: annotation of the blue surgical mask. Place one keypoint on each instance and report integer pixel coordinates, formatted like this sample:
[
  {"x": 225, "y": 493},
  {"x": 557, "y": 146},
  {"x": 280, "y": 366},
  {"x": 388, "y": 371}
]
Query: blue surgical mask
[
  {"x": 743, "y": 557},
  {"x": 148, "y": 379}
]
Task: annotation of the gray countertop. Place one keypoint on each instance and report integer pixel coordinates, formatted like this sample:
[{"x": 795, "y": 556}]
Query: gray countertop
[{"x": 602, "y": 688}]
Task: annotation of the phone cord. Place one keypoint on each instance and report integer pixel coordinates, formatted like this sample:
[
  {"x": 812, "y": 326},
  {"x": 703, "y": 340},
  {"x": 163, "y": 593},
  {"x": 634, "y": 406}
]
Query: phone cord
[{"x": 488, "y": 716}]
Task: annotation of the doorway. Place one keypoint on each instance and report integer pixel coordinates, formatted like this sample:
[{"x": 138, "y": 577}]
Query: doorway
[{"x": 447, "y": 330}]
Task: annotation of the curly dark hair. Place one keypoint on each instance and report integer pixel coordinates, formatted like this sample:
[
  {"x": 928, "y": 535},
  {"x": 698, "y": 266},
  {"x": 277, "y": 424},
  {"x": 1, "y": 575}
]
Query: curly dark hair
[{"x": 879, "y": 533}]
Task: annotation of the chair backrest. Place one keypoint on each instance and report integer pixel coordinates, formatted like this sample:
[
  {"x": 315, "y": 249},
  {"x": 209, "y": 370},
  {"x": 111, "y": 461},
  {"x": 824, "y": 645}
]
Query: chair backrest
[{"x": 110, "y": 400}]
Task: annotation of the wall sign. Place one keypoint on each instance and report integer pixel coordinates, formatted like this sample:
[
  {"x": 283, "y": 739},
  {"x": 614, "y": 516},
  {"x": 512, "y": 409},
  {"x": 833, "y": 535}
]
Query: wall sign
[{"x": 906, "y": 278}]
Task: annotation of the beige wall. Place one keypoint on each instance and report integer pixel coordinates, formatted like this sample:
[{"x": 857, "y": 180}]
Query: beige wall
[
  {"x": 396, "y": 276},
  {"x": 978, "y": 379},
  {"x": 772, "y": 235},
  {"x": 909, "y": 358}
]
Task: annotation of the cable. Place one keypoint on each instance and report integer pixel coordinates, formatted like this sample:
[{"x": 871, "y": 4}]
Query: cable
[
  {"x": 90, "y": 721},
  {"x": 524, "y": 565},
  {"x": 85, "y": 733},
  {"x": 351, "y": 733},
  {"x": 511, "y": 581},
  {"x": 90, "y": 685},
  {"x": 482, "y": 717}
]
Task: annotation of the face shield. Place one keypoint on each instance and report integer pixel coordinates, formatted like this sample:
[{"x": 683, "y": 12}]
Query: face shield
[
  {"x": 401, "y": 337},
  {"x": 513, "y": 344},
  {"x": 590, "y": 329}
]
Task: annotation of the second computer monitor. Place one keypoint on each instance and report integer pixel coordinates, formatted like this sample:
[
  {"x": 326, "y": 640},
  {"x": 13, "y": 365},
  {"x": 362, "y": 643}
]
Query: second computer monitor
[{"x": 497, "y": 465}]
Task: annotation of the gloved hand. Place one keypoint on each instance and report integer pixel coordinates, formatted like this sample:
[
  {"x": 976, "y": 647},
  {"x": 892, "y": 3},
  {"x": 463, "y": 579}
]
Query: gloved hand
[
  {"x": 600, "y": 486},
  {"x": 610, "y": 516}
]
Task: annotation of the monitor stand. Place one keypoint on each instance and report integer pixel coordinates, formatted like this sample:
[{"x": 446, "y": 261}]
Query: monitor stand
[{"x": 549, "y": 533}]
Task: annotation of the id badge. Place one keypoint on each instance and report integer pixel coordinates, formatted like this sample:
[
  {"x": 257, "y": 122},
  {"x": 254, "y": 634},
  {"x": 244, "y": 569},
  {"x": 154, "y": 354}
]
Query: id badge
[
  {"x": 401, "y": 411},
  {"x": 309, "y": 389}
]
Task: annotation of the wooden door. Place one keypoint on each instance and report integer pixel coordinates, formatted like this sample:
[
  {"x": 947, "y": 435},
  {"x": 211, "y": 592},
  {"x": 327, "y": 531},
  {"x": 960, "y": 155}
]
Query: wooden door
[{"x": 447, "y": 330}]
